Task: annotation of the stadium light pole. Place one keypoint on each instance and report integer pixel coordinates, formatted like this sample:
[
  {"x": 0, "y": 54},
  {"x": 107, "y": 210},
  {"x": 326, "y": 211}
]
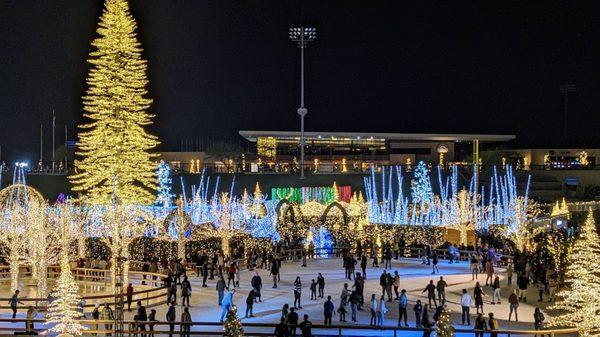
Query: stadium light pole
[
  {"x": 302, "y": 36},
  {"x": 566, "y": 89}
]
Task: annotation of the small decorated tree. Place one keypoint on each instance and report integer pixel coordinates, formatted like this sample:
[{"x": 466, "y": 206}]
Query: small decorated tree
[
  {"x": 232, "y": 327},
  {"x": 444, "y": 325},
  {"x": 63, "y": 311},
  {"x": 578, "y": 303},
  {"x": 163, "y": 178}
]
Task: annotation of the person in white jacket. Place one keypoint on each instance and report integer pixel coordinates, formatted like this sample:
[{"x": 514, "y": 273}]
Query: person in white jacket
[
  {"x": 373, "y": 310},
  {"x": 465, "y": 303},
  {"x": 227, "y": 303},
  {"x": 381, "y": 312}
]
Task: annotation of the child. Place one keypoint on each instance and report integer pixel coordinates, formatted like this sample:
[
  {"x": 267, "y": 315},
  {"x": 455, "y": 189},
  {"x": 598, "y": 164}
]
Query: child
[
  {"x": 133, "y": 326},
  {"x": 313, "y": 290},
  {"x": 509, "y": 273},
  {"x": 342, "y": 311},
  {"x": 418, "y": 309}
]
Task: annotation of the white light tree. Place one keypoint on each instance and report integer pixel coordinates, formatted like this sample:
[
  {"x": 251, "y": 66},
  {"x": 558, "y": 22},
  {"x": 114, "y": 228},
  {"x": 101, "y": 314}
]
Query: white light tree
[
  {"x": 118, "y": 226},
  {"x": 578, "y": 304},
  {"x": 63, "y": 311}
]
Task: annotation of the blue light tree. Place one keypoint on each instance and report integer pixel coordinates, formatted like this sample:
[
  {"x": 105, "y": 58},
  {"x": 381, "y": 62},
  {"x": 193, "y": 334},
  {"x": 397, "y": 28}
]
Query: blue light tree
[
  {"x": 163, "y": 177},
  {"x": 421, "y": 185}
]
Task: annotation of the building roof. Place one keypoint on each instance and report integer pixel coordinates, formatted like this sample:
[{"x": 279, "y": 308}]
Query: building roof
[{"x": 252, "y": 135}]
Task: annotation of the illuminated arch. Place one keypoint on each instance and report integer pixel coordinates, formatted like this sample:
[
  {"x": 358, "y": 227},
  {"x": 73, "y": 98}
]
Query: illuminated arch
[
  {"x": 19, "y": 193},
  {"x": 330, "y": 207}
]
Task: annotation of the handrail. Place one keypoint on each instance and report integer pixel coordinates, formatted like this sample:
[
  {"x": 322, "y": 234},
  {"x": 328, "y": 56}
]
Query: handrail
[{"x": 338, "y": 327}]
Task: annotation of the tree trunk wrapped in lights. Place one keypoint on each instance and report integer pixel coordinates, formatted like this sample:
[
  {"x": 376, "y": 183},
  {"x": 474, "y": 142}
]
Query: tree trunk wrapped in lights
[
  {"x": 578, "y": 304},
  {"x": 113, "y": 145},
  {"x": 12, "y": 235}
]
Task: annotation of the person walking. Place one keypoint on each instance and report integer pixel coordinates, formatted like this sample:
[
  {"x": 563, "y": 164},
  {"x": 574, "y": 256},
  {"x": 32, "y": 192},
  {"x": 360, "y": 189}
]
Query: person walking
[
  {"x": 474, "y": 265},
  {"x": 538, "y": 319},
  {"x": 342, "y": 310},
  {"x": 403, "y": 308},
  {"x": 227, "y": 303},
  {"x": 142, "y": 317},
  {"x": 513, "y": 302},
  {"x": 186, "y": 291},
  {"x": 306, "y": 327},
  {"x": 382, "y": 310},
  {"x": 186, "y": 322},
  {"x": 313, "y": 290},
  {"x": 425, "y": 322},
  {"x": 359, "y": 286},
  {"x": 274, "y": 273},
  {"x": 353, "y": 300},
  {"x": 441, "y": 290},
  {"x": 281, "y": 329},
  {"x": 363, "y": 265},
  {"x": 321, "y": 285},
  {"x": 418, "y": 309},
  {"x": 14, "y": 300},
  {"x": 478, "y": 294},
  {"x": 151, "y": 319},
  {"x": 489, "y": 270},
  {"x": 493, "y": 325},
  {"x": 297, "y": 292},
  {"x": 221, "y": 286},
  {"x": 375, "y": 255},
  {"x": 107, "y": 315},
  {"x": 292, "y": 321},
  {"x": 430, "y": 289},
  {"x": 256, "y": 283},
  {"x": 171, "y": 318},
  {"x": 396, "y": 283},
  {"x": 205, "y": 273},
  {"x": 480, "y": 325},
  {"x": 31, "y": 314},
  {"x": 434, "y": 263},
  {"x": 383, "y": 281},
  {"x": 496, "y": 290},
  {"x": 389, "y": 282},
  {"x": 465, "y": 304},
  {"x": 509, "y": 273},
  {"x": 328, "y": 309},
  {"x": 129, "y": 296},
  {"x": 388, "y": 258},
  {"x": 373, "y": 307},
  {"x": 285, "y": 311},
  {"x": 523, "y": 283}
]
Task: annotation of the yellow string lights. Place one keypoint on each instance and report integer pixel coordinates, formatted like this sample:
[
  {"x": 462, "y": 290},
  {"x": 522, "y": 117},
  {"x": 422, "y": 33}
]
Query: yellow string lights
[{"x": 113, "y": 145}]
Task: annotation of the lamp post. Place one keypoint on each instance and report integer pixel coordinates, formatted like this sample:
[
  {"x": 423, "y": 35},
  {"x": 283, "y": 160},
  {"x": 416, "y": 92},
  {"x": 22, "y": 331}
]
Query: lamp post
[
  {"x": 302, "y": 36},
  {"x": 566, "y": 89}
]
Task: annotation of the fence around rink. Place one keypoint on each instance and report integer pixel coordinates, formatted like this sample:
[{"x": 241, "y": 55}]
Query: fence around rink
[
  {"x": 161, "y": 328},
  {"x": 157, "y": 294}
]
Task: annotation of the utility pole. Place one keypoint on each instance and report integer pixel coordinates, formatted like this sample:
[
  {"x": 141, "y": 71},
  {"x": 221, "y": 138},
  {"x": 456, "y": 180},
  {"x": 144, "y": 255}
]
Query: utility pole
[
  {"x": 41, "y": 143},
  {"x": 566, "y": 89},
  {"x": 302, "y": 36},
  {"x": 53, "y": 138},
  {"x": 66, "y": 151}
]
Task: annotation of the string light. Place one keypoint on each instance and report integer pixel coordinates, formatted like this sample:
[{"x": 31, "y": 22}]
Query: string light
[{"x": 113, "y": 144}]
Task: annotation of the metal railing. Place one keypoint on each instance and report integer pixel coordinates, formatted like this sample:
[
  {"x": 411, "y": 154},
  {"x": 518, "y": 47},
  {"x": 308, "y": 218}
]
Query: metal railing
[{"x": 259, "y": 329}]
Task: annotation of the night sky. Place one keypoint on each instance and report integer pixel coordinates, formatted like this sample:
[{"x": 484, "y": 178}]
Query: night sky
[{"x": 217, "y": 66}]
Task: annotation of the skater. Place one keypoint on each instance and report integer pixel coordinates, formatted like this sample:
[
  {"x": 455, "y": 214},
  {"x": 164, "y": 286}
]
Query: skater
[
  {"x": 250, "y": 303},
  {"x": 430, "y": 289},
  {"x": 513, "y": 303},
  {"x": 227, "y": 303},
  {"x": 496, "y": 290},
  {"x": 321, "y": 285},
  {"x": 373, "y": 307},
  {"x": 363, "y": 265},
  {"x": 328, "y": 309},
  {"x": 403, "y": 308},
  {"x": 353, "y": 300},
  {"x": 418, "y": 309},
  {"x": 256, "y": 283},
  {"x": 274, "y": 273},
  {"x": 396, "y": 283},
  {"x": 434, "y": 262},
  {"x": 297, "y": 292},
  {"x": 465, "y": 304},
  {"x": 14, "y": 300},
  {"x": 382, "y": 310},
  {"x": 441, "y": 290},
  {"x": 186, "y": 292},
  {"x": 313, "y": 290},
  {"x": 171, "y": 318},
  {"x": 221, "y": 286},
  {"x": 523, "y": 282},
  {"x": 478, "y": 294}
]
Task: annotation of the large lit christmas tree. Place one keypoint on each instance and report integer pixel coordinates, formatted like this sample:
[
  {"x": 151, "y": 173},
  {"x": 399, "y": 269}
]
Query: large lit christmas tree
[
  {"x": 232, "y": 327},
  {"x": 113, "y": 145},
  {"x": 578, "y": 303}
]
